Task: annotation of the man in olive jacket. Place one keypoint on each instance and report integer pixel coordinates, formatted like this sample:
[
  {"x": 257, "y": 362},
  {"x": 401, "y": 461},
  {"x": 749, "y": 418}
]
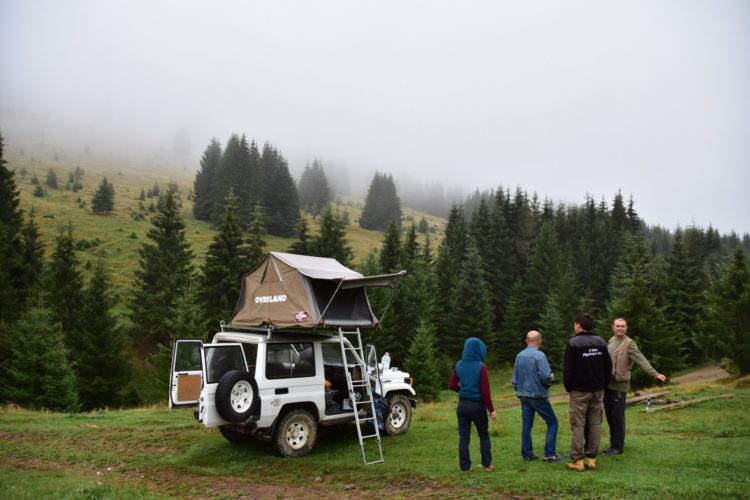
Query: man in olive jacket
[
  {"x": 587, "y": 371},
  {"x": 624, "y": 352}
]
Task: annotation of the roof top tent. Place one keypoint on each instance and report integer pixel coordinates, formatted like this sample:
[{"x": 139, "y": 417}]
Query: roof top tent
[{"x": 298, "y": 292}]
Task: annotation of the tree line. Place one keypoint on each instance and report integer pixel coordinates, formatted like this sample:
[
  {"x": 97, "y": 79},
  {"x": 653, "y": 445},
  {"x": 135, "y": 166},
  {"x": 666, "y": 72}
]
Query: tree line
[
  {"x": 515, "y": 264},
  {"x": 511, "y": 265}
]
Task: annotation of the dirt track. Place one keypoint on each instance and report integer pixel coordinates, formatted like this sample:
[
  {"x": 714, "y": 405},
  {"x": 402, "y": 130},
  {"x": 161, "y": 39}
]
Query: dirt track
[{"x": 705, "y": 375}]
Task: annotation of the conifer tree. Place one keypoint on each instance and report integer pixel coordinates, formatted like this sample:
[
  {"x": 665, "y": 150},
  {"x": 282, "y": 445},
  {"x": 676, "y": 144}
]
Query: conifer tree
[
  {"x": 472, "y": 313},
  {"x": 331, "y": 240},
  {"x": 103, "y": 201},
  {"x": 279, "y": 195},
  {"x": 226, "y": 263},
  {"x": 302, "y": 245},
  {"x": 102, "y": 370},
  {"x": 410, "y": 248},
  {"x": 163, "y": 276},
  {"x": 646, "y": 322},
  {"x": 686, "y": 284},
  {"x": 64, "y": 289},
  {"x": 33, "y": 255},
  {"x": 382, "y": 204},
  {"x": 314, "y": 193},
  {"x": 256, "y": 245},
  {"x": 726, "y": 328},
  {"x": 552, "y": 327},
  {"x": 390, "y": 252},
  {"x": 451, "y": 255},
  {"x": 529, "y": 297},
  {"x": 205, "y": 182},
  {"x": 38, "y": 373},
  {"x": 51, "y": 180},
  {"x": 620, "y": 221},
  {"x": 423, "y": 363},
  {"x": 498, "y": 258},
  {"x": 240, "y": 171},
  {"x": 11, "y": 244}
]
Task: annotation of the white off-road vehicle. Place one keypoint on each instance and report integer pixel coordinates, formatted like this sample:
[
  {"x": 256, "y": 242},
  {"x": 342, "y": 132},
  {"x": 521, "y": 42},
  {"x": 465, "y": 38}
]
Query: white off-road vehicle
[
  {"x": 291, "y": 359},
  {"x": 281, "y": 387}
]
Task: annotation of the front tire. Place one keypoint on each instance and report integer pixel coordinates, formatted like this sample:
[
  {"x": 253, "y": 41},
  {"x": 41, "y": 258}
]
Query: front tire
[
  {"x": 295, "y": 434},
  {"x": 399, "y": 418}
]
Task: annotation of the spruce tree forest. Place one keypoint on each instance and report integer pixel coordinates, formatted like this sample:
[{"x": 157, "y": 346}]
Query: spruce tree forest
[{"x": 507, "y": 262}]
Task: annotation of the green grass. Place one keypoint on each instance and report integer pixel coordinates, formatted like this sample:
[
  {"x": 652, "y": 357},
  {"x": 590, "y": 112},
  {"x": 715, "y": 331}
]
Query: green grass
[{"x": 696, "y": 452}]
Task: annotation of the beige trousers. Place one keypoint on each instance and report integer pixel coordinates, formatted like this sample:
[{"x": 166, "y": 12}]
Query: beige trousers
[{"x": 583, "y": 406}]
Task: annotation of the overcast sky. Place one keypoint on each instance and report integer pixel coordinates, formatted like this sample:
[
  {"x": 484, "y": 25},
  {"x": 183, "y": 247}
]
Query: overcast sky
[{"x": 559, "y": 97}]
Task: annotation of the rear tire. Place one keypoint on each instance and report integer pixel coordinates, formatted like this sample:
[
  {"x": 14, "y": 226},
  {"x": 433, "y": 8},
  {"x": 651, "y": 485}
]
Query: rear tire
[
  {"x": 399, "y": 418},
  {"x": 237, "y": 396},
  {"x": 295, "y": 434}
]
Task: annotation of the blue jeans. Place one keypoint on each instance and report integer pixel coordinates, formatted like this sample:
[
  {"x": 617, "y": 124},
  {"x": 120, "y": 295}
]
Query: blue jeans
[
  {"x": 468, "y": 412},
  {"x": 529, "y": 406}
]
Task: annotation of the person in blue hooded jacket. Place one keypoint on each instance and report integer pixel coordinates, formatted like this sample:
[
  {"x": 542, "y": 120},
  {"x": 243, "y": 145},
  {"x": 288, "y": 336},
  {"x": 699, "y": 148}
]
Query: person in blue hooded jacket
[{"x": 472, "y": 383}]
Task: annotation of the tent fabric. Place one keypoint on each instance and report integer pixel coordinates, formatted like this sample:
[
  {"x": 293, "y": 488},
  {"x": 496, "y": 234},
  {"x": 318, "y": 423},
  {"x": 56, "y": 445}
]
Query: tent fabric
[
  {"x": 322, "y": 268},
  {"x": 303, "y": 292}
]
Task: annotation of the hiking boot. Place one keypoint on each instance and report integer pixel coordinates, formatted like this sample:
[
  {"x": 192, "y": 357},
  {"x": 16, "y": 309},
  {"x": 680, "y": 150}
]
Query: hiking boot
[
  {"x": 576, "y": 466},
  {"x": 611, "y": 451},
  {"x": 552, "y": 458},
  {"x": 590, "y": 463}
]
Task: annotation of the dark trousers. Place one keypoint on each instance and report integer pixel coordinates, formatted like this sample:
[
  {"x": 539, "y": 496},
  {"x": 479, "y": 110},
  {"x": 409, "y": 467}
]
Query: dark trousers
[
  {"x": 530, "y": 406},
  {"x": 614, "y": 409},
  {"x": 475, "y": 412}
]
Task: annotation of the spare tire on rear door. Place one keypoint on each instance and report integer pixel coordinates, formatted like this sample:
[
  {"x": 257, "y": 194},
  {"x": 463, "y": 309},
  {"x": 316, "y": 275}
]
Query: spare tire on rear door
[{"x": 237, "y": 396}]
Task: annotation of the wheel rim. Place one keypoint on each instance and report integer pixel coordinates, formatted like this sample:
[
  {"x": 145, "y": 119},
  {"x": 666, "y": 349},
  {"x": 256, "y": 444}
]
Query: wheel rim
[
  {"x": 242, "y": 396},
  {"x": 296, "y": 435},
  {"x": 398, "y": 415}
]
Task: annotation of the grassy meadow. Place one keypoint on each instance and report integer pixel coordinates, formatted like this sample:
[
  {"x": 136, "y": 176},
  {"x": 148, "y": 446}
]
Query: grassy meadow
[{"x": 699, "y": 451}]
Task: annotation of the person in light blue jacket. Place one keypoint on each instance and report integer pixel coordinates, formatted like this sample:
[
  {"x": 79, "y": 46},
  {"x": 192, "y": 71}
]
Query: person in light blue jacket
[{"x": 532, "y": 377}]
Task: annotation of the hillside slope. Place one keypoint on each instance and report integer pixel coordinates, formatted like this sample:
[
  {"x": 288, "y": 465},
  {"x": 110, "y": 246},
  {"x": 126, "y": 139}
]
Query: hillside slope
[{"x": 116, "y": 237}]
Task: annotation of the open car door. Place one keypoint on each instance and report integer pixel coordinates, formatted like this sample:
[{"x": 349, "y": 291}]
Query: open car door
[
  {"x": 374, "y": 368},
  {"x": 185, "y": 379},
  {"x": 236, "y": 398}
]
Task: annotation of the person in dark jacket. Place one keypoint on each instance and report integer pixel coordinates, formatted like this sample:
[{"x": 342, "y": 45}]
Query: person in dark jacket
[
  {"x": 587, "y": 371},
  {"x": 469, "y": 378}
]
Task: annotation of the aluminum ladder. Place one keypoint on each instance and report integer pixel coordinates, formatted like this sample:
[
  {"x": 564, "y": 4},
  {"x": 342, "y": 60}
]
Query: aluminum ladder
[{"x": 355, "y": 346}]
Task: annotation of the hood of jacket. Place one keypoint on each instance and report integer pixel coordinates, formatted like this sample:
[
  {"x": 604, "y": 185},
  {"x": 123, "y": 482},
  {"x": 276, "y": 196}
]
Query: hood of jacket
[{"x": 474, "y": 350}]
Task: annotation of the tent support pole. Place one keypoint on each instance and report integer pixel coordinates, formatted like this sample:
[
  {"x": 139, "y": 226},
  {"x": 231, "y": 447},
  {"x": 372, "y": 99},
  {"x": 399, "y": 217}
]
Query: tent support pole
[
  {"x": 341, "y": 282},
  {"x": 390, "y": 299}
]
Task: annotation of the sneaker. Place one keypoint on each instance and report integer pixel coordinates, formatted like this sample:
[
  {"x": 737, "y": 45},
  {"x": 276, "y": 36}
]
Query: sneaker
[
  {"x": 531, "y": 457},
  {"x": 576, "y": 466},
  {"x": 590, "y": 463},
  {"x": 611, "y": 451},
  {"x": 489, "y": 468},
  {"x": 552, "y": 458}
]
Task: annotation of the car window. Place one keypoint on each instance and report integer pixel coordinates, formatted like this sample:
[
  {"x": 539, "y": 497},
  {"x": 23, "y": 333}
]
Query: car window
[
  {"x": 221, "y": 359},
  {"x": 188, "y": 357},
  {"x": 251, "y": 355},
  {"x": 290, "y": 360},
  {"x": 332, "y": 355}
]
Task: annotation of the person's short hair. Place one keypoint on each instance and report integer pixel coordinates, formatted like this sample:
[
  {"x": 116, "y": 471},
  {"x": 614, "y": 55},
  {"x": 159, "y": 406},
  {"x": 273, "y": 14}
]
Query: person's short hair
[{"x": 585, "y": 321}]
